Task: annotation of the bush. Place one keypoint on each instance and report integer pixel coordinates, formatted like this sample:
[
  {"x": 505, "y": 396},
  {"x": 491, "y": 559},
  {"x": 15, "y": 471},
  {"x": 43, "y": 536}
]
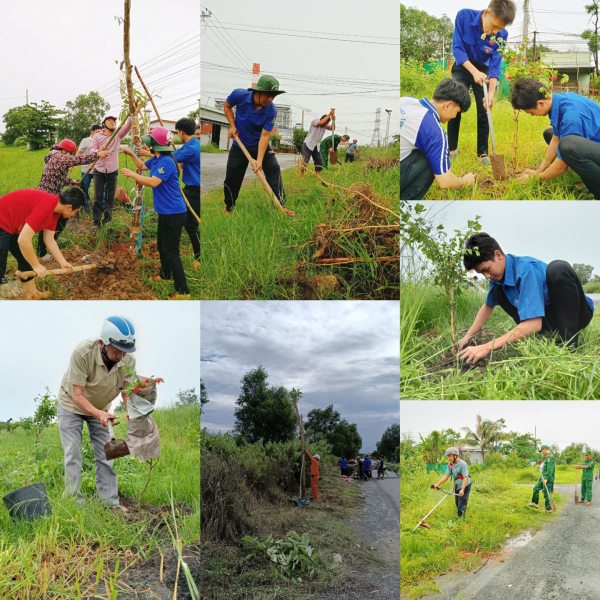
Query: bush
[
  {"x": 20, "y": 141},
  {"x": 211, "y": 148},
  {"x": 416, "y": 81},
  {"x": 494, "y": 460},
  {"x": 513, "y": 461},
  {"x": 592, "y": 287}
]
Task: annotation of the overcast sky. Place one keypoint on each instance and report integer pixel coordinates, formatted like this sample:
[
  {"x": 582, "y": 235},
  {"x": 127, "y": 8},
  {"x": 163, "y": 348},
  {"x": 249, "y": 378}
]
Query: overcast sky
[
  {"x": 555, "y": 20},
  {"x": 39, "y": 338},
  {"x": 331, "y": 67},
  {"x": 544, "y": 230},
  {"x": 340, "y": 353},
  {"x": 557, "y": 422},
  {"x": 59, "y": 50}
]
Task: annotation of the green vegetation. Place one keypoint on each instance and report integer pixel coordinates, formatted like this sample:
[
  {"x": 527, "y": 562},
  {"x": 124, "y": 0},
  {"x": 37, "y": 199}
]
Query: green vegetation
[
  {"x": 211, "y": 149},
  {"x": 592, "y": 287},
  {"x": 259, "y": 253}
]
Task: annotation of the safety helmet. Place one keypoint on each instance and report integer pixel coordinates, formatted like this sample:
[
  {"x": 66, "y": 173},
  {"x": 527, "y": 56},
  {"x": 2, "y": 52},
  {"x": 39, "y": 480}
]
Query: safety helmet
[
  {"x": 119, "y": 332},
  {"x": 317, "y": 457},
  {"x": 107, "y": 117},
  {"x": 452, "y": 450},
  {"x": 68, "y": 145},
  {"x": 159, "y": 139}
]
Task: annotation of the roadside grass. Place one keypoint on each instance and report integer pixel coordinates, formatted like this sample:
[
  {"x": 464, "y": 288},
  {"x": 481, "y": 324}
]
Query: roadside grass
[
  {"x": 229, "y": 571},
  {"x": 592, "y": 287},
  {"x": 564, "y": 474},
  {"x": 258, "y": 253},
  {"x": 20, "y": 169},
  {"x": 497, "y": 509},
  {"x": 536, "y": 368},
  {"x": 211, "y": 149},
  {"x": 531, "y": 151},
  {"x": 57, "y": 556}
]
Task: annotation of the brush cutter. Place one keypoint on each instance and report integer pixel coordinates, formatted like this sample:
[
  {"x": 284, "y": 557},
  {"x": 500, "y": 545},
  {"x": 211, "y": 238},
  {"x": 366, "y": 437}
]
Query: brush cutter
[
  {"x": 497, "y": 160},
  {"x": 115, "y": 448},
  {"x": 25, "y": 274},
  {"x": 333, "y": 155},
  {"x": 422, "y": 521},
  {"x": 576, "y": 496}
]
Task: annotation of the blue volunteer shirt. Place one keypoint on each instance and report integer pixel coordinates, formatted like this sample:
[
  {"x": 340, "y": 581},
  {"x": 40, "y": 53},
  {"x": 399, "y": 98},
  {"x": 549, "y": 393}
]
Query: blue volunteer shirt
[
  {"x": 460, "y": 473},
  {"x": 573, "y": 114},
  {"x": 468, "y": 45},
  {"x": 167, "y": 195},
  {"x": 524, "y": 284},
  {"x": 249, "y": 122},
  {"x": 343, "y": 464},
  {"x": 189, "y": 156},
  {"x": 367, "y": 464},
  {"x": 421, "y": 128}
]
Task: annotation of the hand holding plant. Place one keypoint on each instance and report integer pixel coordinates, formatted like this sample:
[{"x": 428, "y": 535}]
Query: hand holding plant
[{"x": 138, "y": 384}]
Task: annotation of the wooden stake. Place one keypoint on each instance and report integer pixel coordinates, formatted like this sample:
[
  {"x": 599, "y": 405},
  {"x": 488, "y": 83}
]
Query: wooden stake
[
  {"x": 295, "y": 395},
  {"x": 25, "y": 274},
  {"x": 515, "y": 142}
]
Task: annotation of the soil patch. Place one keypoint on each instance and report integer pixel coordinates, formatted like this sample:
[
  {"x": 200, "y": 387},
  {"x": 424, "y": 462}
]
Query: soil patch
[{"x": 153, "y": 516}]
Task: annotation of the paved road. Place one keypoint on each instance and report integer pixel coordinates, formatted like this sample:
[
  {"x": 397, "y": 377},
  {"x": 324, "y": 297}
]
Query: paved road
[
  {"x": 559, "y": 563},
  {"x": 213, "y": 168},
  {"x": 595, "y": 298}
]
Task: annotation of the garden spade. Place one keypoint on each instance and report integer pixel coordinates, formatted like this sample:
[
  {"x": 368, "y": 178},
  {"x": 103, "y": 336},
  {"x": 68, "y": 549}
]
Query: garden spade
[
  {"x": 333, "y": 155},
  {"x": 497, "y": 160},
  {"x": 550, "y": 498},
  {"x": 115, "y": 448},
  {"x": 576, "y": 496}
]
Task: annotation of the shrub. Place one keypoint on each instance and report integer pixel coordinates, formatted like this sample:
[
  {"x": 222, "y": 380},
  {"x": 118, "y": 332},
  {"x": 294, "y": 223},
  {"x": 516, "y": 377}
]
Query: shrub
[
  {"x": 513, "y": 461},
  {"x": 416, "y": 81},
  {"x": 211, "y": 148},
  {"x": 494, "y": 460},
  {"x": 20, "y": 141}
]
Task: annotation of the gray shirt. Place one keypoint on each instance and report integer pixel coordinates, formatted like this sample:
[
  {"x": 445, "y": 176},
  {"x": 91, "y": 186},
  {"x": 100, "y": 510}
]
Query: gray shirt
[
  {"x": 84, "y": 148},
  {"x": 315, "y": 134}
]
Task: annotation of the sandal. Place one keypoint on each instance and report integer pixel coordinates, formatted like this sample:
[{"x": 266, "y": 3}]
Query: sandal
[
  {"x": 180, "y": 297},
  {"x": 533, "y": 505},
  {"x": 159, "y": 278}
]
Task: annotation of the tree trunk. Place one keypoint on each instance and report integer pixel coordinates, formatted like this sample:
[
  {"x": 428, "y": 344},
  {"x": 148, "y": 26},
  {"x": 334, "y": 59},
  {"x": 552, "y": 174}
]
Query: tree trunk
[
  {"x": 452, "y": 314},
  {"x": 301, "y": 428},
  {"x": 515, "y": 139},
  {"x": 138, "y": 201}
]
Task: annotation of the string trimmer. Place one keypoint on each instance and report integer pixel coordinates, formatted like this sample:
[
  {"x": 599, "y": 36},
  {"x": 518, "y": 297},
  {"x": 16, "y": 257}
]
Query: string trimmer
[{"x": 446, "y": 494}]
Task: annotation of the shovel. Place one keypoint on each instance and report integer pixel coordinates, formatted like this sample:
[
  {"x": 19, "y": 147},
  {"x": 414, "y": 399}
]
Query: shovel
[
  {"x": 25, "y": 274},
  {"x": 497, "y": 160},
  {"x": 576, "y": 496},
  {"x": 333, "y": 156},
  {"x": 550, "y": 497},
  {"x": 115, "y": 448}
]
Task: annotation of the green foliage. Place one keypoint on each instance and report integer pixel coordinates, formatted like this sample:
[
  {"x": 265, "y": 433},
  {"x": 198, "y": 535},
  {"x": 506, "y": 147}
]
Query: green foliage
[
  {"x": 424, "y": 36},
  {"x": 417, "y": 81},
  {"x": 36, "y": 123},
  {"x": 592, "y": 287},
  {"x": 514, "y": 461},
  {"x": 187, "y": 398},
  {"x": 81, "y": 114},
  {"x": 486, "y": 433},
  {"x": 45, "y": 412},
  {"x": 321, "y": 421},
  {"x": 211, "y": 149},
  {"x": 389, "y": 442},
  {"x": 345, "y": 439},
  {"x": 298, "y": 138},
  {"x": 494, "y": 460},
  {"x": 523, "y": 445},
  {"x": 291, "y": 555},
  {"x": 519, "y": 66},
  {"x": 203, "y": 396},
  {"x": 584, "y": 272},
  {"x": 264, "y": 412}
]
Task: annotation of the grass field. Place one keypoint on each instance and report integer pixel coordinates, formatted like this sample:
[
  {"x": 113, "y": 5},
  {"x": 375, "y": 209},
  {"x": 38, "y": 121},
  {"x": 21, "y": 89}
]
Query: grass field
[
  {"x": 259, "y": 253},
  {"x": 531, "y": 151},
  {"x": 20, "y": 169},
  {"x": 535, "y": 368},
  {"x": 497, "y": 508},
  {"x": 59, "y": 556}
]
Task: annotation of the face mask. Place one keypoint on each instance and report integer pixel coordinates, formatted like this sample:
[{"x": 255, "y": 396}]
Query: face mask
[{"x": 106, "y": 357}]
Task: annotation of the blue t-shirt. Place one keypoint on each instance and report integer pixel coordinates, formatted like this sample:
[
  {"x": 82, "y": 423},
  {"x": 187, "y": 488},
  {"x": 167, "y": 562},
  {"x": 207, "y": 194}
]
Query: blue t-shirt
[
  {"x": 249, "y": 122},
  {"x": 524, "y": 284},
  {"x": 167, "y": 195},
  {"x": 573, "y": 114},
  {"x": 343, "y": 463},
  {"x": 367, "y": 464},
  {"x": 468, "y": 45},
  {"x": 189, "y": 156},
  {"x": 460, "y": 473}
]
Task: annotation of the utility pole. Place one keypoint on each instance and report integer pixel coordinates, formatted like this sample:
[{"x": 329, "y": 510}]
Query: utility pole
[
  {"x": 525, "y": 25},
  {"x": 302, "y": 118},
  {"x": 387, "y": 128},
  {"x": 26, "y": 96},
  {"x": 376, "y": 132},
  {"x": 534, "y": 44},
  {"x": 199, "y": 111}
]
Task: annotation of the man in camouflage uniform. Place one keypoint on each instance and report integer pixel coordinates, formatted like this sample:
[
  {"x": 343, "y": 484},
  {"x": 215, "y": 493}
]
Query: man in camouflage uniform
[
  {"x": 327, "y": 143},
  {"x": 587, "y": 478},
  {"x": 546, "y": 482}
]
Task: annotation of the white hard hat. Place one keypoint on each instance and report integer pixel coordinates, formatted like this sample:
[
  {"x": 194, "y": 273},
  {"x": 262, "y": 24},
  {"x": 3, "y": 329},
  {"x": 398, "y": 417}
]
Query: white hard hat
[
  {"x": 119, "y": 332},
  {"x": 317, "y": 457},
  {"x": 452, "y": 450}
]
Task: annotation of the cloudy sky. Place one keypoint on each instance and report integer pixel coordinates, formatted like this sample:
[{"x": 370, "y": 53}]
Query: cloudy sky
[
  {"x": 339, "y": 54},
  {"x": 59, "y": 50},
  {"x": 340, "y": 353},
  {"x": 557, "y": 23},
  {"x": 544, "y": 230},
  {"x": 557, "y": 422},
  {"x": 39, "y": 337}
]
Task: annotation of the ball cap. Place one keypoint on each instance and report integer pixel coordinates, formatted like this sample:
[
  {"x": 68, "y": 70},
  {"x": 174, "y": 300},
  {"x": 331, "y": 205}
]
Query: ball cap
[
  {"x": 452, "y": 450},
  {"x": 587, "y": 453},
  {"x": 544, "y": 447}
]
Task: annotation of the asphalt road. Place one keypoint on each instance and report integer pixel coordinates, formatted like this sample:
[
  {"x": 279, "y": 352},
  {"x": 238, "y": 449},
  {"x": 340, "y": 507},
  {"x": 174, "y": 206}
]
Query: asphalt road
[
  {"x": 213, "y": 167},
  {"x": 559, "y": 563}
]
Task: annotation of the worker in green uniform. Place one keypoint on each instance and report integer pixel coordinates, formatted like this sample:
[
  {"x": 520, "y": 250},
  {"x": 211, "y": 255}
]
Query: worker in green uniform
[
  {"x": 546, "y": 482},
  {"x": 587, "y": 478},
  {"x": 326, "y": 146}
]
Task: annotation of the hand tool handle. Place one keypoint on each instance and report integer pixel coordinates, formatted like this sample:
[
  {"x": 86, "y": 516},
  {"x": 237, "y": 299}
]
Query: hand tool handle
[
  {"x": 489, "y": 116},
  {"x": 56, "y": 271},
  {"x": 110, "y": 429}
]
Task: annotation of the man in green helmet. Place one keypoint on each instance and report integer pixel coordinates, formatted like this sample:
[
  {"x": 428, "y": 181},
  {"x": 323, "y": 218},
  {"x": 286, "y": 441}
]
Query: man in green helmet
[
  {"x": 253, "y": 122},
  {"x": 587, "y": 478},
  {"x": 326, "y": 146},
  {"x": 546, "y": 482}
]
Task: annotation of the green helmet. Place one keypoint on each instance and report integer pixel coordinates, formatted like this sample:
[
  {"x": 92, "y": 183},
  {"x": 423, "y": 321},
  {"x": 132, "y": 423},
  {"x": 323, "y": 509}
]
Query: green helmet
[{"x": 267, "y": 84}]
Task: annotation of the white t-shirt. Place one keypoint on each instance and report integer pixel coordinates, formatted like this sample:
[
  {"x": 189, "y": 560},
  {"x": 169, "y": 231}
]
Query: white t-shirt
[
  {"x": 84, "y": 147},
  {"x": 315, "y": 134}
]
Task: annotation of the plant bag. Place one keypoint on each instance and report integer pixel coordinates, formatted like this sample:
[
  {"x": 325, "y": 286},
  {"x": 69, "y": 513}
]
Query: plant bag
[{"x": 143, "y": 438}]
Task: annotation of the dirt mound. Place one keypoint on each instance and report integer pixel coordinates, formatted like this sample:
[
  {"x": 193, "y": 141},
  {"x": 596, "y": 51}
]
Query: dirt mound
[{"x": 379, "y": 164}]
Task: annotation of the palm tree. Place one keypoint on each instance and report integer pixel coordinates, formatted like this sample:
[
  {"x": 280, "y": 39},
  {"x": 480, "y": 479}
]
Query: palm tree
[{"x": 486, "y": 433}]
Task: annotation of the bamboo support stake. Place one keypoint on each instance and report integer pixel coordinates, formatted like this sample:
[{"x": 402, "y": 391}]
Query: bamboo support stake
[
  {"x": 295, "y": 395},
  {"x": 515, "y": 138},
  {"x": 23, "y": 274}
]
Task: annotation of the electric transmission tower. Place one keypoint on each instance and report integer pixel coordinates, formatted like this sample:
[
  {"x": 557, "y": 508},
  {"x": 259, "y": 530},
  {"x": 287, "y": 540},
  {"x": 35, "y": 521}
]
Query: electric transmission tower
[{"x": 376, "y": 132}]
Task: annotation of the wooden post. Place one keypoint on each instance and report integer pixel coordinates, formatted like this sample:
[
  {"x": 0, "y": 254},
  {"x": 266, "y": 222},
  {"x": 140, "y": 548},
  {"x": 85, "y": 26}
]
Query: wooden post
[
  {"x": 295, "y": 395},
  {"x": 515, "y": 139},
  {"x": 452, "y": 313}
]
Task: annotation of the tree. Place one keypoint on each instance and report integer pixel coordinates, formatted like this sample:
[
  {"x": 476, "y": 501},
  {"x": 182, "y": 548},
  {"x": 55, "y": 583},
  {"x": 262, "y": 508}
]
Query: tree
[
  {"x": 433, "y": 447},
  {"x": 322, "y": 421},
  {"x": 14, "y": 120},
  {"x": 203, "y": 395},
  {"x": 187, "y": 397},
  {"x": 390, "y": 440},
  {"x": 486, "y": 433},
  {"x": 525, "y": 445},
  {"x": 298, "y": 138},
  {"x": 81, "y": 114},
  {"x": 424, "y": 37},
  {"x": 539, "y": 49},
  {"x": 194, "y": 114},
  {"x": 591, "y": 35},
  {"x": 35, "y": 122},
  {"x": 584, "y": 272},
  {"x": 264, "y": 412},
  {"x": 345, "y": 439},
  {"x": 44, "y": 415}
]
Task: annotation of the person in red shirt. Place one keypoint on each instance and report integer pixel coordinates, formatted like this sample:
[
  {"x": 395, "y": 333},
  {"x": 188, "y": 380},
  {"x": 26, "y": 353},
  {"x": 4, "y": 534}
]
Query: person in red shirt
[
  {"x": 23, "y": 214},
  {"x": 314, "y": 474}
]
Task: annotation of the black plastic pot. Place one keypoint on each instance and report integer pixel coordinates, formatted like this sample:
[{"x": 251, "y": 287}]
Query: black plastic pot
[{"x": 30, "y": 502}]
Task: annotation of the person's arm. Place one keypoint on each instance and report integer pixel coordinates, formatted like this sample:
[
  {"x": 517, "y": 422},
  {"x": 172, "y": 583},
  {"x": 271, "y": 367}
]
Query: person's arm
[
  {"x": 484, "y": 313},
  {"x": 124, "y": 396},
  {"x": 86, "y": 406},
  {"x": 54, "y": 250},
  {"x": 137, "y": 161},
  {"x": 442, "y": 481},
  {"x": 84, "y": 159},
  {"x": 450, "y": 181},
  {"x": 152, "y": 182},
  {"x": 262, "y": 148},
  {"x": 124, "y": 131},
  {"x": 228, "y": 110},
  {"x": 25, "y": 241}
]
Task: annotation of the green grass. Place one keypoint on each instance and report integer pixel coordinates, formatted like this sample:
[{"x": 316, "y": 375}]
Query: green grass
[
  {"x": 20, "y": 169},
  {"x": 496, "y": 508},
  {"x": 54, "y": 554},
  {"x": 531, "y": 151},
  {"x": 535, "y": 368},
  {"x": 563, "y": 474},
  {"x": 211, "y": 149},
  {"x": 259, "y": 253},
  {"x": 592, "y": 287}
]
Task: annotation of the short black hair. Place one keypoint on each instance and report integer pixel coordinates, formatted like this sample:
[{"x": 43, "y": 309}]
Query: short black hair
[
  {"x": 448, "y": 89},
  {"x": 505, "y": 10},
  {"x": 72, "y": 195},
  {"x": 187, "y": 125},
  {"x": 526, "y": 92},
  {"x": 485, "y": 244},
  {"x": 95, "y": 127}
]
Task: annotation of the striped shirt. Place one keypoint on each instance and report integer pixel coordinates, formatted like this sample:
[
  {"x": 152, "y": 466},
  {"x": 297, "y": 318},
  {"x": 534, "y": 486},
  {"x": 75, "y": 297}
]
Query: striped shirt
[{"x": 421, "y": 129}]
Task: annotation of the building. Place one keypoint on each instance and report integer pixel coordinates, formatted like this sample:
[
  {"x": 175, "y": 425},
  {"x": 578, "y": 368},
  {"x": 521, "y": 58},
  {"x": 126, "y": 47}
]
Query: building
[
  {"x": 170, "y": 125},
  {"x": 577, "y": 65},
  {"x": 474, "y": 454},
  {"x": 284, "y": 114},
  {"x": 215, "y": 128}
]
